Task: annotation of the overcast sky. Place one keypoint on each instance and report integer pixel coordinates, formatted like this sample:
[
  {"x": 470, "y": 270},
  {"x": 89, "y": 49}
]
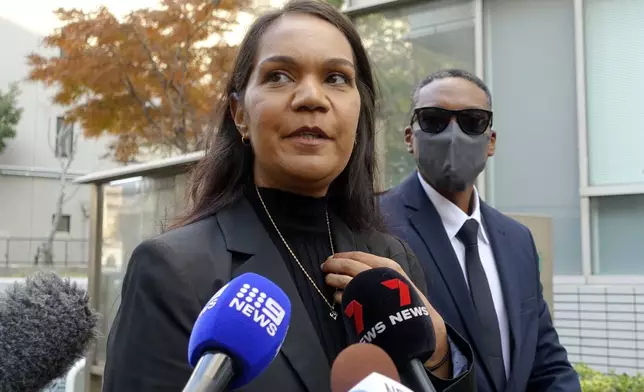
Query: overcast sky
[{"x": 37, "y": 15}]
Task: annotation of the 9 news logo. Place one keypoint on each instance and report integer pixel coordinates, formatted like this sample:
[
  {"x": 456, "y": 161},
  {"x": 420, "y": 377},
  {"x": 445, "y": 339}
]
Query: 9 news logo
[
  {"x": 262, "y": 309},
  {"x": 355, "y": 311}
]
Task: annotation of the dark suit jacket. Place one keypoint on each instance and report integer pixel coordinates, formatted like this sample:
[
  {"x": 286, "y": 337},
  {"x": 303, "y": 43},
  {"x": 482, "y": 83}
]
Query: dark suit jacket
[
  {"x": 171, "y": 277},
  {"x": 538, "y": 361}
]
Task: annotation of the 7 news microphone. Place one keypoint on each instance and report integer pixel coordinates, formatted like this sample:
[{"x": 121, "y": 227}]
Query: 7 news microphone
[
  {"x": 381, "y": 307},
  {"x": 238, "y": 334},
  {"x": 46, "y": 325}
]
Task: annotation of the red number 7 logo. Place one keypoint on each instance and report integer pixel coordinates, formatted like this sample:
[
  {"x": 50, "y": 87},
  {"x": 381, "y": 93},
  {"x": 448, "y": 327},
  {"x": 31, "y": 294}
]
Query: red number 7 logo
[
  {"x": 403, "y": 290},
  {"x": 354, "y": 310}
]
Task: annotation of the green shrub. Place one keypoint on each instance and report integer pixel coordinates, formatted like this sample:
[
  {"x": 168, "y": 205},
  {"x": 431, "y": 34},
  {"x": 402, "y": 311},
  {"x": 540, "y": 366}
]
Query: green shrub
[{"x": 594, "y": 381}]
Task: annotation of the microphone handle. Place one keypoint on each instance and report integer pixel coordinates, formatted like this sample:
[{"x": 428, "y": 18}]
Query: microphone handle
[
  {"x": 418, "y": 377},
  {"x": 212, "y": 373}
]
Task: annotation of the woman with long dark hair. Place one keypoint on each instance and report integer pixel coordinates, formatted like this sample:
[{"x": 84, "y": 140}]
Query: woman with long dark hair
[{"x": 286, "y": 190}]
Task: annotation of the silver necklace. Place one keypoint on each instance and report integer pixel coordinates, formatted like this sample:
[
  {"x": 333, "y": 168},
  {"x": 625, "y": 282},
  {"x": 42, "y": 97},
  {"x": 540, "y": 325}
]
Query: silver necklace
[{"x": 332, "y": 313}]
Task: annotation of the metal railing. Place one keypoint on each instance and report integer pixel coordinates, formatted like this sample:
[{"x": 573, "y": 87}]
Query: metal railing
[
  {"x": 18, "y": 252},
  {"x": 602, "y": 327}
]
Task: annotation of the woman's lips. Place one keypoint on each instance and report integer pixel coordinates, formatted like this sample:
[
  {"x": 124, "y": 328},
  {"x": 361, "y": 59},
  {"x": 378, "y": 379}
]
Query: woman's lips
[{"x": 309, "y": 136}]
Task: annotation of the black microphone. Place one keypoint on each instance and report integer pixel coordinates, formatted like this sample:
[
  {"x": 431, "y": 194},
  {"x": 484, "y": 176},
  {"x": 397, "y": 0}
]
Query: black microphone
[
  {"x": 45, "y": 326},
  {"x": 381, "y": 307}
]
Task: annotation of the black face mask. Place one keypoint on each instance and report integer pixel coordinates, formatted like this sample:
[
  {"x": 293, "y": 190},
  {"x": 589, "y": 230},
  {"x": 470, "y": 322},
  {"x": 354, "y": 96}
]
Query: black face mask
[{"x": 451, "y": 160}]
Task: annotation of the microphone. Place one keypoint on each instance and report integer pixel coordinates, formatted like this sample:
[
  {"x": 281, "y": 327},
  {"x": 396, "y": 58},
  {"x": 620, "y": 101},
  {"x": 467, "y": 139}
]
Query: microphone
[
  {"x": 366, "y": 367},
  {"x": 376, "y": 382},
  {"x": 45, "y": 326},
  {"x": 380, "y": 306},
  {"x": 237, "y": 334}
]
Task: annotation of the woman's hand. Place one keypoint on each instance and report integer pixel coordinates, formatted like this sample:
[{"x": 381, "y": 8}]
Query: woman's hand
[{"x": 342, "y": 267}]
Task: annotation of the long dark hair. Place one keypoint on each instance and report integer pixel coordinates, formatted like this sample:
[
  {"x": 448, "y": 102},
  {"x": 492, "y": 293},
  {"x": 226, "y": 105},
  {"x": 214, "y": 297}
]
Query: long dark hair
[{"x": 218, "y": 180}]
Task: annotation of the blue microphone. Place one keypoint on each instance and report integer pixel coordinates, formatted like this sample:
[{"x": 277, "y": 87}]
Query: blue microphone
[{"x": 237, "y": 334}]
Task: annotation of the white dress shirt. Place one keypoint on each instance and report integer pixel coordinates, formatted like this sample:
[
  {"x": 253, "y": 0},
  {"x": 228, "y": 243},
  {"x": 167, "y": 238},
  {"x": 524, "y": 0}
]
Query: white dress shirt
[{"x": 453, "y": 219}]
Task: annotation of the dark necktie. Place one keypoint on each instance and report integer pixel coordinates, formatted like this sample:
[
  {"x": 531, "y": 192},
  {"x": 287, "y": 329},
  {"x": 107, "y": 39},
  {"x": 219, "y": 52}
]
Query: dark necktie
[{"x": 482, "y": 299}]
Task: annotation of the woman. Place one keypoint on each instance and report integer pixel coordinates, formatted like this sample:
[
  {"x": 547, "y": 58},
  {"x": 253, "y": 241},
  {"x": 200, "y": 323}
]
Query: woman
[{"x": 287, "y": 182}]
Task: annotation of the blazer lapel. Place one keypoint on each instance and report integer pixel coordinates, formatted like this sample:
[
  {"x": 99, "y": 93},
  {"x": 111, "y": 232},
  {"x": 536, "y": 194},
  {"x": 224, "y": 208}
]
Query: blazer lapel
[
  {"x": 508, "y": 274},
  {"x": 425, "y": 219},
  {"x": 244, "y": 233}
]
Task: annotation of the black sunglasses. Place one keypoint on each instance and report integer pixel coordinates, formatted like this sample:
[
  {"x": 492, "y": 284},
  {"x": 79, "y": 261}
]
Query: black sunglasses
[{"x": 435, "y": 120}]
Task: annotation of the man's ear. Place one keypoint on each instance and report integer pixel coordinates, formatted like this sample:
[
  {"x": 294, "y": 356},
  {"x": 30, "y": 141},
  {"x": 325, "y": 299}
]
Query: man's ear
[
  {"x": 409, "y": 140},
  {"x": 237, "y": 112},
  {"x": 491, "y": 147}
]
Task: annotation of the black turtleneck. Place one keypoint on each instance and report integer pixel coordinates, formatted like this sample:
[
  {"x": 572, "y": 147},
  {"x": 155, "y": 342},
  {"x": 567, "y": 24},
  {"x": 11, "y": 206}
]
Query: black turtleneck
[{"x": 302, "y": 222}]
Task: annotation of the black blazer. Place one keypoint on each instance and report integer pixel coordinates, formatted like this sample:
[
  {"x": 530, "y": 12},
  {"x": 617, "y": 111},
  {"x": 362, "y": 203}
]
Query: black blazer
[{"x": 171, "y": 277}]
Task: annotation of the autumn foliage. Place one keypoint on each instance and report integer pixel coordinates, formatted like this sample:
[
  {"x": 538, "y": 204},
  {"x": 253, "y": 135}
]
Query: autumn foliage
[{"x": 150, "y": 79}]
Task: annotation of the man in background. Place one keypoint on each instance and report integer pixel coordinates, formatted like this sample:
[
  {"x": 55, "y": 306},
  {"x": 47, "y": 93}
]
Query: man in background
[{"x": 481, "y": 266}]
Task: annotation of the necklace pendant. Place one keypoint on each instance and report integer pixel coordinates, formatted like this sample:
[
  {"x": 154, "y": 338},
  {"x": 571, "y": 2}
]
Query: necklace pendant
[{"x": 333, "y": 314}]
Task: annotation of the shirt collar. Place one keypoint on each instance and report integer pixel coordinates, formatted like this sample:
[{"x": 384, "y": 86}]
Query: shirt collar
[{"x": 453, "y": 217}]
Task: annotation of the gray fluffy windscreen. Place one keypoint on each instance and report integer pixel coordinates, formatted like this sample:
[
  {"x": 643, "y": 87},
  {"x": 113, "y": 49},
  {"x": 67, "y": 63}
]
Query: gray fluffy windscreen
[{"x": 46, "y": 325}]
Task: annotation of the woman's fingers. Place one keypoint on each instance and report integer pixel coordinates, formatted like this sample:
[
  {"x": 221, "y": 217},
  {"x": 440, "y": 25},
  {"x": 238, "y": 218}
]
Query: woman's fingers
[
  {"x": 342, "y": 266},
  {"x": 338, "y": 296},
  {"x": 337, "y": 281}
]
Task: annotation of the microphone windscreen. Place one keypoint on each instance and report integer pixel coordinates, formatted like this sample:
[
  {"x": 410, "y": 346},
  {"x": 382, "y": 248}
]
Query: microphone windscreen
[
  {"x": 356, "y": 362},
  {"x": 380, "y": 306},
  {"x": 378, "y": 383},
  {"x": 247, "y": 319},
  {"x": 46, "y": 325}
]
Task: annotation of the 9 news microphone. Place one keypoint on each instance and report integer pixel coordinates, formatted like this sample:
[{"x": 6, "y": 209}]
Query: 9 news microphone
[
  {"x": 238, "y": 334},
  {"x": 46, "y": 325},
  {"x": 364, "y": 367},
  {"x": 381, "y": 307}
]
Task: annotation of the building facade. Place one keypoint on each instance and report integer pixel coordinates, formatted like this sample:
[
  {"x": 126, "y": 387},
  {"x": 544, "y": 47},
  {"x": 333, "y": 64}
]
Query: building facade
[
  {"x": 30, "y": 168},
  {"x": 567, "y": 82}
]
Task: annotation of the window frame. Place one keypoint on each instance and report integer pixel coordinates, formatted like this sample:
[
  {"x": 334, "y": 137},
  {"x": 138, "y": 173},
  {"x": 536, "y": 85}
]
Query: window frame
[
  {"x": 63, "y": 218},
  {"x": 588, "y": 221}
]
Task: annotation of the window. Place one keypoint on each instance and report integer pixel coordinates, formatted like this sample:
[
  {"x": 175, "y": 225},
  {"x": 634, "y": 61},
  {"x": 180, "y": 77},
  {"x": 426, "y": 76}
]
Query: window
[
  {"x": 135, "y": 209},
  {"x": 614, "y": 60},
  {"x": 407, "y": 44},
  {"x": 64, "y": 223},
  {"x": 617, "y": 227},
  {"x": 531, "y": 72},
  {"x": 64, "y": 138},
  {"x": 614, "y": 47}
]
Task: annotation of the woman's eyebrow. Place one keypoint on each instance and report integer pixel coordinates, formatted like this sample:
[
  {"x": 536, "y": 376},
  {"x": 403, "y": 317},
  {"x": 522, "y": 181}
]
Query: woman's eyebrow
[
  {"x": 339, "y": 61},
  {"x": 281, "y": 59}
]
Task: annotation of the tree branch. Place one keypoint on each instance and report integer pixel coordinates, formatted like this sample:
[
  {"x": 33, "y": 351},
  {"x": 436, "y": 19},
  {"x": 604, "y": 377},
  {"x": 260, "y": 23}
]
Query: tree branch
[
  {"x": 144, "y": 104},
  {"x": 167, "y": 86}
]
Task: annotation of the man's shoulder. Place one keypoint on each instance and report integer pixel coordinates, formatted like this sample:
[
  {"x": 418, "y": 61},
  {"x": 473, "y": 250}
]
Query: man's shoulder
[
  {"x": 392, "y": 204},
  {"x": 390, "y": 193},
  {"x": 503, "y": 221},
  {"x": 394, "y": 194}
]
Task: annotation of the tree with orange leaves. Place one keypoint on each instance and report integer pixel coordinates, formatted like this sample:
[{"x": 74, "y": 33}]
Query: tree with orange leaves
[{"x": 150, "y": 79}]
